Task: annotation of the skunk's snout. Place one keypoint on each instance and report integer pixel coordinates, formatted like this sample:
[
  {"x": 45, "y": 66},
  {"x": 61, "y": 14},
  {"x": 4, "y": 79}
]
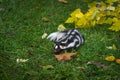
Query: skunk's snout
[
  {"x": 57, "y": 49},
  {"x": 56, "y": 52}
]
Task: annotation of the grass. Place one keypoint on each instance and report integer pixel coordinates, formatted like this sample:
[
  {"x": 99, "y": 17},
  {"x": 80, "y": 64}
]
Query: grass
[{"x": 21, "y": 28}]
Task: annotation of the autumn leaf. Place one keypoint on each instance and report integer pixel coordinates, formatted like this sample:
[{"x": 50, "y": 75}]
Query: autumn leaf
[
  {"x": 110, "y": 58},
  {"x": 98, "y": 13},
  {"x": 79, "y": 67},
  {"x": 114, "y": 47},
  {"x": 91, "y": 13},
  {"x": 111, "y": 8},
  {"x": 61, "y": 27},
  {"x": 93, "y": 4},
  {"x": 118, "y": 61},
  {"x": 109, "y": 47},
  {"x": 110, "y": 1},
  {"x": 63, "y": 1},
  {"x": 109, "y": 21},
  {"x": 77, "y": 13},
  {"x": 66, "y": 56},
  {"x": 44, "y": 35},
  {"x": 81, "y": 23},
  {"x": 116, "y": 25},
  {"x": 99, "y": 65},
  {"x": 48, "y": 67},
  {"x": 45, "y": 19},
  {"x": 21, "y": 60},
  {"x": 70, "y": 20}
]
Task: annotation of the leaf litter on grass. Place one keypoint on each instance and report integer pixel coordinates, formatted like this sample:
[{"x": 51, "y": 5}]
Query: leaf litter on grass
[
  {"x": 63, "y": 1},
  {"x": 45, "y": 19},
  {"x": 98, "y": 64},
  {"x": 65, "y": 56}
]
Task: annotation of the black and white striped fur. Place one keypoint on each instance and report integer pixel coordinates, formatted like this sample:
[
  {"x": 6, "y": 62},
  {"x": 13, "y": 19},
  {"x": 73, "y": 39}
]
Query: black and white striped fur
[{"x": 66, "y": 40}]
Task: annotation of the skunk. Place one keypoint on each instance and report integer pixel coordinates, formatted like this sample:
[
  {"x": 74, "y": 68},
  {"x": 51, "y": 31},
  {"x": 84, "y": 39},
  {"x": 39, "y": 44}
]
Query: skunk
[{"x": 66, "y": 40}]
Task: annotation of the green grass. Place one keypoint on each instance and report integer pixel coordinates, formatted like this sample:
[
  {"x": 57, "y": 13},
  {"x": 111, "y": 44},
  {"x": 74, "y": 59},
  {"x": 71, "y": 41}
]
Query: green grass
[{"x": 21, "y": 28}]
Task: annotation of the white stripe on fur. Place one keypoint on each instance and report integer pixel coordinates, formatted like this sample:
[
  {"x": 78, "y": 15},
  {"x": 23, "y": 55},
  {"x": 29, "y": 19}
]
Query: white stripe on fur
[{"x": 55, "y": 36}]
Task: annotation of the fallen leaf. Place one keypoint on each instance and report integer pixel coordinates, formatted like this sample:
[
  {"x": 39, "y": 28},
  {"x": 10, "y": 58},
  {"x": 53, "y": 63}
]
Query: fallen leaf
[
  {"x": 111, "y": 8},
  {"x": 114, "y": 47},
  {"x": 48, "y": 67},
  {"x": 66, "y": 56},
  {"x": 99, "y": 65},
  {"x": 63, "y": 1},
  {"x": 109, "y": 47},
  {"x": 44, "y": 35},
  {"x": 79, "y": 67},
  {"x": 45, "y": 19},
  {"x": 21, "y": 60},
  {"x": 118, "y": 61},
  {"x": 110, "y": 58},
  {"x": 61, "y": 27}
]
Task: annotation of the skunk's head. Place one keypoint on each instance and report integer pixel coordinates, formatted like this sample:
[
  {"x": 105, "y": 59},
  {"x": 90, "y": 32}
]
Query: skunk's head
[{"x": 59, "y": 47}]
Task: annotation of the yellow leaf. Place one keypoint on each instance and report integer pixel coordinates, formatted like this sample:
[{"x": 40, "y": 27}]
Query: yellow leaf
[
  {"x": 63, "y": 1},
  {"x": 70, "y": 20},
  {"x": 48, "y": 67},
  {"x": 45, "y": 19},
  {"x": 81, "y": 23},
  {"x": 110, "y": 58},
  {"x": 115, "y": 19},
  {"x": 21, "y": 60},
  {"x": 44, "y": 35},
  {"x": 93, "y": 4},
  {"x": 115, "y": 26},
  {"x": 98, "y": 18},
  {"x": 114, "y": 47},
  {"x": 91, "y": 14},
  {"x": 93, "y": 23},
  {"x": 109, "y": 47},
  {"x": 109, "y": 21},
  {"x": 91, "y": 11},
  {"x": 101, "y": 20},
  {"x": 77, "y": 14},
  {"x": 61, "y": 27},
  {"x": 118, "y": 61},
  {"x": 94, "y": 14},
  {"x": 111, "y": 8},
  {"x": 111, "y": 1}
]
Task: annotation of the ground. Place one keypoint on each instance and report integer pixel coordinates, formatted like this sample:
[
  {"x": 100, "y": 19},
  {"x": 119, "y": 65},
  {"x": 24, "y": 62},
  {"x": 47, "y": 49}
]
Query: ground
[{"x": 21, "y": 28}]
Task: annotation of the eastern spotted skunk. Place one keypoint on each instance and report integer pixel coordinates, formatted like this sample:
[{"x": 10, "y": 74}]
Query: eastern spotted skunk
[{"x": 66, "y": 40}]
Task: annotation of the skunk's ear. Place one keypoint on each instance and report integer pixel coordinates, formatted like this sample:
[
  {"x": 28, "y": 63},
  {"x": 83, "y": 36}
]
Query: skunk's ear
[{"x": 55, "y": 36}]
